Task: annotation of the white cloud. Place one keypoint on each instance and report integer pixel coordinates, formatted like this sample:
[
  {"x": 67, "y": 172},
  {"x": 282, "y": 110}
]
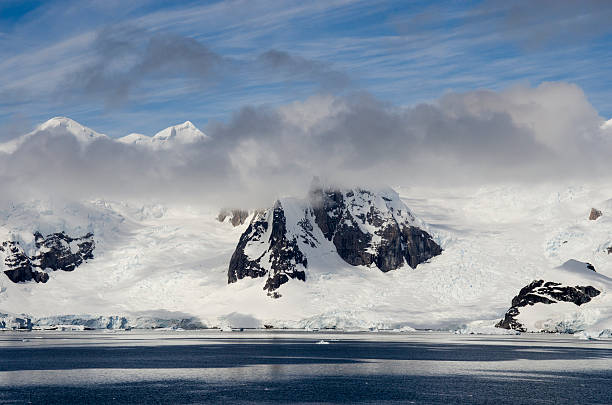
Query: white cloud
[{"x": 546, "y": 133}]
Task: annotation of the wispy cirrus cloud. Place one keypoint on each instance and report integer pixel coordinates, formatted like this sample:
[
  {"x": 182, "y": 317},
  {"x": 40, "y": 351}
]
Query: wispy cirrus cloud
[{"x": 404, "y": 53}]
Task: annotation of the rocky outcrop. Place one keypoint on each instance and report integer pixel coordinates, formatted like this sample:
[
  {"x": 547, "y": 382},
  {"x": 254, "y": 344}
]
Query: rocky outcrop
[
  {"x": 56, "y": 251},
  {"x": 369, "y": 229},
  {"x": 364, "y": 228},
  {"x": 19, "y": 265},
  {"x": 236, "y": 217},
  {"x": 594, "y": 214},
  {"x": 281, "y": 259},
  {"x": 542, "y": 292},
  {"x": 59, "y": 251}
]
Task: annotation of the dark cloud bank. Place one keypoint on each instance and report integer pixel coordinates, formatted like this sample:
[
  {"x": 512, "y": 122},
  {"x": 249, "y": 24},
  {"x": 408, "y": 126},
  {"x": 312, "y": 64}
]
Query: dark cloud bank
[
  {"x": 548, "y": 133},
  {"x": 124, "y": 59}
]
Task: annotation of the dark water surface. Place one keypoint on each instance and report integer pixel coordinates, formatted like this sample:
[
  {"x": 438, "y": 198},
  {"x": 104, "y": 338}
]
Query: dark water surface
[{"x": 290, "y": 367}]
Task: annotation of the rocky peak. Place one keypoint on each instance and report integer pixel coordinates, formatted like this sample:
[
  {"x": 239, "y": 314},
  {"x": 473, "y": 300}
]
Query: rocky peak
[
  {"x": 366, "y": 228},
  {"x": 266, "y": 248}
]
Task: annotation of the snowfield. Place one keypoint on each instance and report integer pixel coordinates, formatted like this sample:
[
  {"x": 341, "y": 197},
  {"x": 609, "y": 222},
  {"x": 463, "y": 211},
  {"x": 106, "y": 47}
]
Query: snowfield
[{"x": 156, "y": 261}]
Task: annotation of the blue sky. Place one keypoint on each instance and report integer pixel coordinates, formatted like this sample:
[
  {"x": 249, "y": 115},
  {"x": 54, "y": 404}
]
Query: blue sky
[{"x": 140, "y": 66}]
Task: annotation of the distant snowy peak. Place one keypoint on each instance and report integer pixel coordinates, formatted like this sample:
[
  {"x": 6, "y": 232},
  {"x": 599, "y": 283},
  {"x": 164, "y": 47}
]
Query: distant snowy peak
[
  {"x": 57, "y": 126},
  {"x": 80, "y": 132},
  {"x": 182, "y": 134}
]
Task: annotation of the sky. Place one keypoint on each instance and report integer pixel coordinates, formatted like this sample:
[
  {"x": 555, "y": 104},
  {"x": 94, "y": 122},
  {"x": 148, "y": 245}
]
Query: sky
[
  {"x": 143, "y": 65},
  {"x": 353, "y": 92}
]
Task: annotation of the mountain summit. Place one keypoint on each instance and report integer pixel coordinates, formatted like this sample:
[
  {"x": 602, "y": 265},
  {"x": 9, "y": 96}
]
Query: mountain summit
[
  {"x": 182, "y": 134},
  {"x": 57, "y": 126}
]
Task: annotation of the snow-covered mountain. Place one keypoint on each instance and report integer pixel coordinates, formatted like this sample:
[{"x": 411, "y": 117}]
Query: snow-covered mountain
[
  {"x": 57, "y": 126},
  {"x": 367, "y": 259},
  {"x": 181, "y": 134},
  {"x": 364, "y": 228}
]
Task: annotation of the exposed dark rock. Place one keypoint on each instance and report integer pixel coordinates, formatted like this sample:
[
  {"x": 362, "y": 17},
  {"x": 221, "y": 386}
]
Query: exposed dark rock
[
  {"x": 419, "y": 247},
  {"x": 595, "y": 213},
  {"x": 609, "y": 249},
  {"x": 351, "y": 243},
  {"x": 236, "y": 216},
  {"x": 285, "y": 255},
  {"x": 327, "y": 207},
  {"x": 241, "y": 265},
  {"x": 57, "y": 251},
  {"x": 280, "y": 258},
  {"x": 591, "y": 267},
  {"x": 340, "y": 217},
  {"x": 539, "y": 291},
  {"x": 19, "y": 264}
]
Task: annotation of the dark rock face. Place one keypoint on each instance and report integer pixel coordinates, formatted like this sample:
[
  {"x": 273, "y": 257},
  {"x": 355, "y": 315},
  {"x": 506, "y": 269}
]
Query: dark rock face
[
  {"x": 56, "y": 251},
  {"x": 20, "y": 265},
  {"x": 237, "y": 217},
  {"x": 539, "y": 291},
  {"x": 351, "y": 243},
  {"x": 420, "y": 247},
  {"x": 364, "y": 228},
  {"x": 280, "y": 259},
  {"x": 392, "y": 239},
  {"x": 285, "y": 255},
  {"x": 241, "y": 265},
  {"x": 594, "y": 214}
]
